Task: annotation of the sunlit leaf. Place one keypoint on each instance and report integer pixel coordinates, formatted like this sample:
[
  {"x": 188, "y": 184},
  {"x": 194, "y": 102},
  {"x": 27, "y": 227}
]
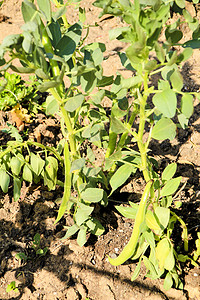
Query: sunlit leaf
[
  {"x": 169, "y": 171},
  {"x": 166, "y": 103},
  {"x": 4, "y": 180},
  {"x": 164, "y": 129},
  {"x": 92, "y": 195},
  {"x": 170, "y": 187}
]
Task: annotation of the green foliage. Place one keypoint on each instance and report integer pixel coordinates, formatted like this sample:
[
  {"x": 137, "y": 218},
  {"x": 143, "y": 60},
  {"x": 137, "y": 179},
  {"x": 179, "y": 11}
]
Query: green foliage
[
  {"x": 36, "y": 245},
  {"x": 54, "y": 51},
  {"x": 14, "y": 90},
  {"x": 12, "y": 287}
]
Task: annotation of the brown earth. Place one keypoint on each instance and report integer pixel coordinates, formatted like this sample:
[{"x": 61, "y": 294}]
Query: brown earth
[{"x": 68, "y": 271}]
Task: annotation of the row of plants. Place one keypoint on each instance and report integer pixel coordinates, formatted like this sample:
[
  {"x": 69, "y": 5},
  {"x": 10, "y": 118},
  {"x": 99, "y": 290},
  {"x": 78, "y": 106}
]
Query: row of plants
[{"x": 71, "y": 71}]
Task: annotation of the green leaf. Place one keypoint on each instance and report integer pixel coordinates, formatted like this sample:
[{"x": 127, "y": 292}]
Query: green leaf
[
  {"x": 22, "y": 70},
  {"x": 170, "y": 187},
  {"x": 47, "y": 85},
  {"x": 59, "y": 12},
  {"x": 45, "y": 8},
  {"x": 81, "y": 216},
  {"x": 168, "y": 282},
  {"x": 51, "y": 105},
  {"x": 37, "y": 164},
  {"x": 150, "y": 65},
  {"x": 183, "y": 121},
  {"x": 149, "y": 238},
  {"x": 88, "y": 81},
  {"x": 127, "y": 212},
  {"x": 94, "y": 46},
  {"x": 169, "y": 172},
  {"x": 92, "y": 195},
  {"x": 163, "y": 215},
  {"x": 29, "y": 12},
  {"x": 12, "y": 287},
  {"x": 185, "y": 55},
  {"x": 55, "y": 33},
  {"x": 152, "y": 221},
  {"x": 98, "y": 97},
  {"x": 194, "y": 44},
  {"x": 71, "y": 231},
  {"x": 4, "y": 181},
  {"x": 105, "y": 81},
  {"x": 136, "y": 271},
  {"x": 98, "y": 228},
  {"x": 160, "y": 52},
  {"x": 164, "y": 129},
  {"x": 51, "y": 169},
  {"x": 176, "y": 80},
  {"x": 117, "y": 126},
  {"x": 187, "y": 106},
  {"x": 21, "y": 256},
  {"x": 131, "y": 82},
  {"x": 97, "y": 56},
  {"x": 15, "y": 165},
  {"x": 170, "y": 260},
  {"x": 173, "y": 36},
  {"x": 27, "y": 173},
  {"x": 125, "y": 61},
  {"x": 77, "y": 164},
  {"x": 13, "y": 132},
  {"x": 149, "y": 265},
  {"x": 81, "y": 238},
  {"x": 166, "y": 103},
  {"x": 74, "y": 102},
  {"x": 120, "y": 176},
  {"x": 180, "y": 3},
  {"x": 67, "y": 44},
  {"x": 162, "y": 251},
  {"x": 17, "y": 188}
]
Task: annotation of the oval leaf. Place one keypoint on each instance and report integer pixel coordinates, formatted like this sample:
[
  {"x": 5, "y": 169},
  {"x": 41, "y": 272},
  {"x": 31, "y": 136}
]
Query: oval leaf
[
  {"x": 92, "y": 195},
  {"x": 162, "y": 252},
  {"x": 151, "y": 221},
  {"x": 170, "y": 187},
  {"x": 120, "y": 176},
  {"x": 166, "y": 102},
  {"x": 164, "y": 129},
  {"x": 169, "y": 172},
  {"x": 187, "y": 107},
  {"x": 5, "y": 180}
]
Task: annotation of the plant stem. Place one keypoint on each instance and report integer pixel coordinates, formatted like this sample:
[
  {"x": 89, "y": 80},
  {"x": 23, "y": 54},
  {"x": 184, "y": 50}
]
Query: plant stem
[{"x": 141, "y": 144}]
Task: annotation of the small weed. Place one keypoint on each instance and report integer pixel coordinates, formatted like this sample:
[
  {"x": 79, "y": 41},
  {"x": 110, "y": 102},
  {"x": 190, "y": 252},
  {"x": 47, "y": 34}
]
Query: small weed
[
  {"x": 36, "y": 246},
  {"x": 12, "y": 287}
]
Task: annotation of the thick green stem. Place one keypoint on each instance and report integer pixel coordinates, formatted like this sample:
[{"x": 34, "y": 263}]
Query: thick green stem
[
  {"x": 141, "y": 144},
  {"x": 72, "y": 140}
]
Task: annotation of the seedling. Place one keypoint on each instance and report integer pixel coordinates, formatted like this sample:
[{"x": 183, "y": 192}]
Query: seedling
[
  {"x": 36, "y": 246},
  {"x": 12, "y": 287}
]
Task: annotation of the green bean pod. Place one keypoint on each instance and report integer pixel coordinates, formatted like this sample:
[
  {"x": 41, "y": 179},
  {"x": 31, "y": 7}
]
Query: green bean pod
[{"x": 130, "y": 248}]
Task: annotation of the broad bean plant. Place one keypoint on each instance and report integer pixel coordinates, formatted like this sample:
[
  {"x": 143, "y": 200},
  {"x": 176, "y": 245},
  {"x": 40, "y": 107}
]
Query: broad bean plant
[{"x": 71, "y": 71}]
